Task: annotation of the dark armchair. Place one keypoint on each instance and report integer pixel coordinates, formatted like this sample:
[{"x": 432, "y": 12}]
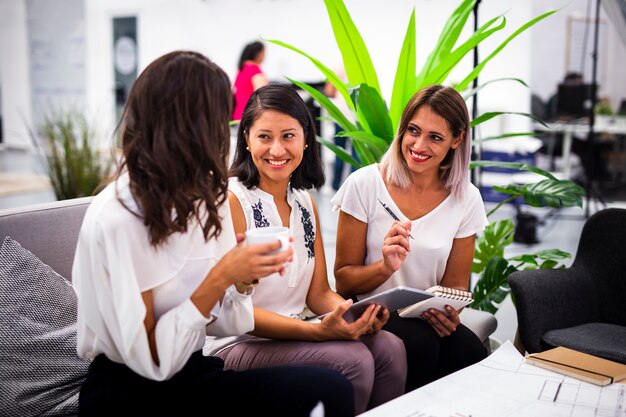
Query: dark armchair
[{"x": 582, "y": 307}]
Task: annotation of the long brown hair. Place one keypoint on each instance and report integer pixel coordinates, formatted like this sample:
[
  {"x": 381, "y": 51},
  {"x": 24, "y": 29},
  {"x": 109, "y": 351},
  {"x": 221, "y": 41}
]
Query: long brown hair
[{"x": 175, "y": 141}]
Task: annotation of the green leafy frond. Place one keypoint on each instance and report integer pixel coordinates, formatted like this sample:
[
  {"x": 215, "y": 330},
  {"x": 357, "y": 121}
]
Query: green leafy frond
[
  {"x": 68, "y": 145},
  {"x": 333, "y": 78},
  {"x": 493, "y": 286},
  {"x": 467, "y": 94},
  {"x": 405, "y": 82},
  {"x": 447, "y": 38},
  {"x": 340, "y": 152},
  {"x": 490, "y": 115},
  {"x": 356, "y": 57},
  {"x": 496, "y": 236},
  {"x": 472, "y": 75},
  {"x": 325, "y": 102},
  {"x": 441, "y": 71},
  {"x": 373, "y": 114},
  {"x": 550, "y": 192}
]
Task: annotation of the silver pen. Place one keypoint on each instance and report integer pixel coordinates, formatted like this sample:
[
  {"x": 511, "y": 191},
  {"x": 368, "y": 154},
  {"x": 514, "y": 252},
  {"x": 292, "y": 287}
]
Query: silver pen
[{"x": 392, "y": 214}]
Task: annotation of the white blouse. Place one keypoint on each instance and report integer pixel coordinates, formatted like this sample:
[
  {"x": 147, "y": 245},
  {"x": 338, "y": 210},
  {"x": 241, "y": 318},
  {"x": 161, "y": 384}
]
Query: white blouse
[
  {"x": 433, "y": 233},
  {"x": 115, "y": 263},
  {"x": 285, "y": 295}
]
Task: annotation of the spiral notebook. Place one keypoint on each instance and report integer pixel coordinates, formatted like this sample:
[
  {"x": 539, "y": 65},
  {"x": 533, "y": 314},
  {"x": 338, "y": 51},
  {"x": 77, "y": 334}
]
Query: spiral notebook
[{"x": 442, "y": 296}]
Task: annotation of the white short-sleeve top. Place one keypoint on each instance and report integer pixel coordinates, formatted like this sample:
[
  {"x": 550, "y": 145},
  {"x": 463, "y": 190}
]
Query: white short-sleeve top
[
  {"x": 115, "y": 263},
  {"x": 433, "y": 233},
  {"x": 284, "y": 295}
]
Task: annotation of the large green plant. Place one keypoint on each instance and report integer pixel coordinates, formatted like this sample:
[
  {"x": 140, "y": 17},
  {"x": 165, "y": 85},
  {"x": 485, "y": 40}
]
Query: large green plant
[
  {"x": 376, "y": 123},
  {"x": 68, "y": 145}
]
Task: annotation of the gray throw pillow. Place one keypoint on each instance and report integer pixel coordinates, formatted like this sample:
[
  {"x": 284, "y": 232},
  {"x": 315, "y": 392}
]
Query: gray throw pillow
[{"x": 40, "y": 372}]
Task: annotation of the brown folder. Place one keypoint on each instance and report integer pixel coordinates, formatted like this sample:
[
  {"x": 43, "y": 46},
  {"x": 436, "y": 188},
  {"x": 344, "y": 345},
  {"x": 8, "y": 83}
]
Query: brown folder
[{"x": 579, "y": 365}]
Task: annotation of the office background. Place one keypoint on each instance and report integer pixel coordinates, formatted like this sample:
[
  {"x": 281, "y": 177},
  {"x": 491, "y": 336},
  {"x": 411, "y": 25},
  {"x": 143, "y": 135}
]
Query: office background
[{"x": 63, "y": 51}]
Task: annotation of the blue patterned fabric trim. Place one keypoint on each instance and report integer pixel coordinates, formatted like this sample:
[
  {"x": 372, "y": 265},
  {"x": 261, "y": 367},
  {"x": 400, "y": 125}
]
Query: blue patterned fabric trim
[
  {"x": 259, "y": 218},
  {"x": 309, "y": 232}
]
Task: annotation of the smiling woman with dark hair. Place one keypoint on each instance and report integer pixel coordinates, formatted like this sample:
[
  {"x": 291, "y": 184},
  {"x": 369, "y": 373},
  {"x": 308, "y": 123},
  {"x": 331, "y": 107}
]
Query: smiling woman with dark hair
[
  {"x": 276, "y": 161},
  {"x": 158, "y": 266}
]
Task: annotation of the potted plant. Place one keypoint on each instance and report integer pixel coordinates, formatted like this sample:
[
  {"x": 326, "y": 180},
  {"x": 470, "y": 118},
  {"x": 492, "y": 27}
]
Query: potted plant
[
  {"x": 376, "y": 123},
  {"x": 68, "y": 146}
]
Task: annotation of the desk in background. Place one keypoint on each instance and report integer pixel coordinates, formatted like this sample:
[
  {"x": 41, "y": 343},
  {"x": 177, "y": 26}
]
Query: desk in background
[{"x": 603, "y": 124}]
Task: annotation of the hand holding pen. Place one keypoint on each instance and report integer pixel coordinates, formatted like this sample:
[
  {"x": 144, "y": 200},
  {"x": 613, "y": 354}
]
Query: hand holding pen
[{"x": 392, "y": 214}]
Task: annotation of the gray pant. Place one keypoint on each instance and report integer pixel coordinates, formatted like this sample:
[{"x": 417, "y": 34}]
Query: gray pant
[{"x": 375, "y": 364}]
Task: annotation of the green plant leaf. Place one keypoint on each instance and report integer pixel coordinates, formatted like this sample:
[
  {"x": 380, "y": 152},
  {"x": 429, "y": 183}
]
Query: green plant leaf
[
  {"x": 367, "y": 138},
  {"x": 490, "y": 115},
  {"x": 66, "y": 142},
  {"x": 472, "y": 75},
  {"x": 447, "y": 39},
  {"x": 406, "y": 78},
  {"x": 512, "y": 165},
  {"x": 372, "y": 113},
  {"x": 366, "y": 156},
  {"x": 325, "y": 102},
  {"x": 340, "y": 152},
  {"x": 356, "y": 58},
  {"x": 553, "y": 254},
  {"x": 491, "y": 243},
  {"x": 467, "y": 94},
  {"x": 548, "y": 258},
  {"x": 550, "y": 192},
  {"x": 328, "y": 73},
  {"x": 440, "y": 72},
  {"x": 493, "y": 286},
  {"x": 549, "y": 264}
]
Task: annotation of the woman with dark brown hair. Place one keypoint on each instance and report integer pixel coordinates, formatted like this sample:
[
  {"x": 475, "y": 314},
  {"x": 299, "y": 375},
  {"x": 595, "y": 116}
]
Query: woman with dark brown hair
[
  {"x": 158, "y": 266},
  {"x": 277, "y": 160}
]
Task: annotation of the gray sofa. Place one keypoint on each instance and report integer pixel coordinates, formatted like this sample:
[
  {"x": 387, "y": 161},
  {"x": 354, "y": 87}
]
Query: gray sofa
[
  {"x": 44, "y": 377},
  {"x": 40, "y": 372},
  {"x": 49, "y": 230}
]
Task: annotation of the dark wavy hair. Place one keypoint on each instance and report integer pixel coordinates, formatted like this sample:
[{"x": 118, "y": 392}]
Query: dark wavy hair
[
  {"x": 250, "y": 52},
  {"x": 175, "y": 140},
  {"x": 284, "y": 99}
]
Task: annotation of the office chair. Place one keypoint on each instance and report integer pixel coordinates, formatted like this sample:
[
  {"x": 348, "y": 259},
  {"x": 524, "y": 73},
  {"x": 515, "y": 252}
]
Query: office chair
[{"x": 582, "y": 307}]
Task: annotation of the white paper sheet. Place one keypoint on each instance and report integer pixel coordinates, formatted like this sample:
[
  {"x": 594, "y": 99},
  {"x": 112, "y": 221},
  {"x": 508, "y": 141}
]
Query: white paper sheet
[{"x": 504, "y": 385}]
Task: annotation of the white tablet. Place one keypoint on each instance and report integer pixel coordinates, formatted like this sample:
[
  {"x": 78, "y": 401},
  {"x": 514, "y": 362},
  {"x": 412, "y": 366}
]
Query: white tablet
[{"x": 394, "y": 299}]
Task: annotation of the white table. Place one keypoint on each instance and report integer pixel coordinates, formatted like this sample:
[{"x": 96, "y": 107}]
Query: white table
[
  {"x": 603, "y": 124},
  {"x": 503, "y": 384}
]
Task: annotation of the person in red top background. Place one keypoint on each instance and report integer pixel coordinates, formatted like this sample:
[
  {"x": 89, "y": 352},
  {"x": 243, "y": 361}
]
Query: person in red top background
[{"x": 250, "y": 76}]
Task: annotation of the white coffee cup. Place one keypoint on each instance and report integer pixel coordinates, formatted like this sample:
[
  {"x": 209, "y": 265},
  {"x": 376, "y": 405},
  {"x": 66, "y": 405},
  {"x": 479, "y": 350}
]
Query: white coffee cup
[{"x": 268, "y": 235}]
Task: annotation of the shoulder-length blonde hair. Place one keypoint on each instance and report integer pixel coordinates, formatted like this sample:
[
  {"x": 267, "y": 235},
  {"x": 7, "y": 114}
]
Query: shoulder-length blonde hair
[{"x": 454, "y": 169}]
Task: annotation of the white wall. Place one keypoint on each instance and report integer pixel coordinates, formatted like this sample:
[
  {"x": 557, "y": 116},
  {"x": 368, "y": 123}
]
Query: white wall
[
  {"x": 220, "y": 28},
  {"x": 14, "y": 72}
]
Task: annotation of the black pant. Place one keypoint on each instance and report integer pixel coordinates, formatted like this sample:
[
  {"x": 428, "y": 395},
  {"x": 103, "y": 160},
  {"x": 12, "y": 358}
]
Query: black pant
[
  {"x": 202, "y": 388},
  {"x": 430, "y": 357}
]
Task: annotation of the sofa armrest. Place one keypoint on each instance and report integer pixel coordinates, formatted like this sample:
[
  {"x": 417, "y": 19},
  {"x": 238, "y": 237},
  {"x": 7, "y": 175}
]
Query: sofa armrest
[
  {"x": 49, "y": 230},
  {"x": 548, "y": 299}
]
